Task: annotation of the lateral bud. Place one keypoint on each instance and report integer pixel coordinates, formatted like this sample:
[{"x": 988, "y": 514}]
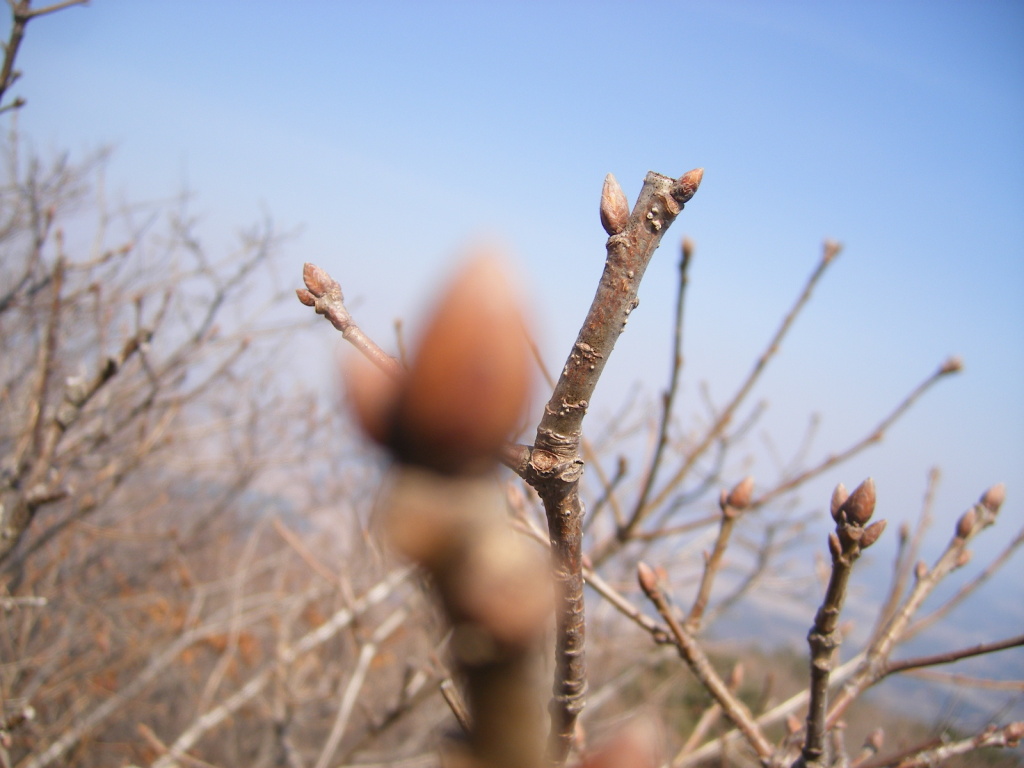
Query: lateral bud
[
  {"x": 839, "y": 496},
  {"x": 920, "y": 570},
  {"x": 871, "y": 534},
  {"x": 860, "y": 505},
  {"x": 614, "y": 206},
  {"x": 963, "y": 558},
  {"x": 965, "y": 524},
  {"x": 306, "y": 297},
  {"x": 834, "y": 547},
  {"x": 647, "y": 578}
]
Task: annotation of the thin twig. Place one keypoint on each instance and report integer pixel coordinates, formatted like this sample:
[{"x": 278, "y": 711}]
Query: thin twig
[{"x": 735, "y": 710}]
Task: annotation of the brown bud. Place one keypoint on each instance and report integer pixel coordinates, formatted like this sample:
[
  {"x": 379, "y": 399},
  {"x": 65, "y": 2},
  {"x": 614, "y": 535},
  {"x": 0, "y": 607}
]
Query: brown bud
[
  {"x": 614, "y": 206},
  {"x": 687, "y": 249},
  {"x": 645, "y": 575},
  {"x": 965, "y": 524},
  {"x": 736, "y": 676},
  {"x": 793, "y": 724},
  {"x": 994, "y": 497},
  {"x": 831, "y": 249},
  {"x": 963, "y": 559},
  {"x": 951, "y": 365},
  {"x": 839, "y": 496},
  {"x": 871, "y": 534},
  {"x": 469, "y": 378},
  {"x": 834, "y": 547},
  {"x": 860, "y": 505},
  {"x": 920, "y": 570},
  {"x": 723, "y": 499},
  {"x": 686, "y": 186},
  {"x": 305, "y": 297},
  {"x": 372, "y": 396},
  {"x": 875, "y": 740},
  {"x": 739, "y": 497},
  {"x": 318, "y": 281}
]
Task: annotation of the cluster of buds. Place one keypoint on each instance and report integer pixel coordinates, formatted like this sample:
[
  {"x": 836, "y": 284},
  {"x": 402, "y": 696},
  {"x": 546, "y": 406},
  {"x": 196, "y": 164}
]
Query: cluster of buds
[{"x": 852, "y": 513}]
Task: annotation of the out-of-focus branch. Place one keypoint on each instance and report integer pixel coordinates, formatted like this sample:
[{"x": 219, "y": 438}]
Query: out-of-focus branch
[
  {"x": 925, "y": 756},
  {"x": 830, "y": 251},
  {"x": 950, "y": 366},
  {"x": 689, "y": 650},
  {"x": 972, "y": 522},
  {"x": 851, "y": 537}
]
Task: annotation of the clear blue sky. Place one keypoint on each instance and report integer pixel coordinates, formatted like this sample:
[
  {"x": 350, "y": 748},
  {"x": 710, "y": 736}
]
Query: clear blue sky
[{"x": 393, "y": 132}]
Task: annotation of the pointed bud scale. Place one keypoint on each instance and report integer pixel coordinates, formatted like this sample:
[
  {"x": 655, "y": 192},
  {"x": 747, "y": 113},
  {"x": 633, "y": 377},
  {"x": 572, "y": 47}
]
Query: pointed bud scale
[
  {"x": 952, "y": 365},
  {"x": 614, "y": 206},
  {"x": 839, "y": 496},
  {"x": 740, "y": 496},
  {"x": 687, "y": 249},
  {"x": 793, "y": 724},
  {"x": 469, "y": 379},
  {"x": 645, "y": 575},
  {"x": 834, "y": 547},
  {"x": 993, "y": 498},
  {"x": 317, "y": 280},
  {"x": 965, "y": 524},
  {"x": 305, "y": 297},
  {"x": 871, "y": 534},
  {"x": 686, "y": 186},
  {"x": 920, "y": 570},
  {"x": 875, "y": 740},
  {"x": 860, "y": 505}
]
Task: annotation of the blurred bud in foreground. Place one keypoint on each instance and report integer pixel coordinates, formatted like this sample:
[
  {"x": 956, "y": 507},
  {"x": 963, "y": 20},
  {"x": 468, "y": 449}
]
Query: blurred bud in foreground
[{"x": 468, "y": 382}]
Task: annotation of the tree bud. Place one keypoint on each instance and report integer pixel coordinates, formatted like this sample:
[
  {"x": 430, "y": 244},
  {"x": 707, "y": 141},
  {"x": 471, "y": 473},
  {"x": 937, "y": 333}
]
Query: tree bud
[
  {"x": 739, "y": 497},
  {"x": 305, "y": 297},
  {"x": 834, "y": 547},
  {"x": 993, "y": 498},
  {"x": 871, "y": 534},
  {"x": 860, "y": 505},
  {"x": 686, "y": 186},
  {"x": 963, "y": 559},
  {"x": 965, "y": 524},
  {"x": 469, "y": 379},
  {"x": 920, "y": 570},
  {"x": 614, "y": 206},
  {"x": 951, "y": 365},
  {"x": 839, "y": 496},
  {"x": 648, "y": 580}
]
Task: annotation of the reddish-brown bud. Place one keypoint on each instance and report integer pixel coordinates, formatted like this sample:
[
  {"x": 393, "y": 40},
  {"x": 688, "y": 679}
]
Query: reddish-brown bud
[
  {"x": 965, "y": 524},
  {"x": 871, "y": 534},
  {"x": 860, "y": 505},
  {"x": 686, "y": 186},
  {"x": 839, "y": 496},
  {"x": 687, "y": 249},
  {"x": 994, "y": 497},
  {"x": 831, "y": 249},
  {"x": 305, "y": 297},
  {"x": 834, "y": 547},
  {"x": 647, "y": 578},
  {"x": 793, "y": 724},
  {"x": 318, "y": 281},
  {"x": 740, "y": 496},
  {"x": 372, "y": 396},
  {"x": 920, "y": 570},
  {"x": 614, "y": 206},
  {"x": 736, "y": 676},
  {"x": 875, "y": 740},
  {"x": 963, "y": 558},
  {"x": 951, "y": 365},
  {"x": 469, "y": 378}
]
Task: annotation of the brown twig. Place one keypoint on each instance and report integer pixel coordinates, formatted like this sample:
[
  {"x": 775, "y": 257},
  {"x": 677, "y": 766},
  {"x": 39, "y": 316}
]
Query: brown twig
[
  {"x": 972, "y": 522},
  {"x": 950, "y": 366},
  {"x": 668, "y": 399},
  {"x": 932, "y": 753},
  {"x": 555, "y": 465},
  {"x": 691, "y": 652},
  {"x": 851, "y": 537},
  {"x": 949, "y": 657},
  {"x": 732, "y": 505},
  {"x": 830, "y": 251}
]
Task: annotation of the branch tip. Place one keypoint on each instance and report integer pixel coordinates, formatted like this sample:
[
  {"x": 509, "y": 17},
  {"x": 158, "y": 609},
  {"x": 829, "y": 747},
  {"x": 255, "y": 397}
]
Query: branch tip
[
  {"x": 647, "y": 578},
  {"x": 953, "y": 364},
  {"x": 860, "y": 505},
  {"x": 994, "y": 497}
]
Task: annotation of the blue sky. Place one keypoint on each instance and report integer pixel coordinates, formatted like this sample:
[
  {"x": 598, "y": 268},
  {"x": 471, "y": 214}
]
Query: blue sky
[{"x": 390, "y": 134}]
